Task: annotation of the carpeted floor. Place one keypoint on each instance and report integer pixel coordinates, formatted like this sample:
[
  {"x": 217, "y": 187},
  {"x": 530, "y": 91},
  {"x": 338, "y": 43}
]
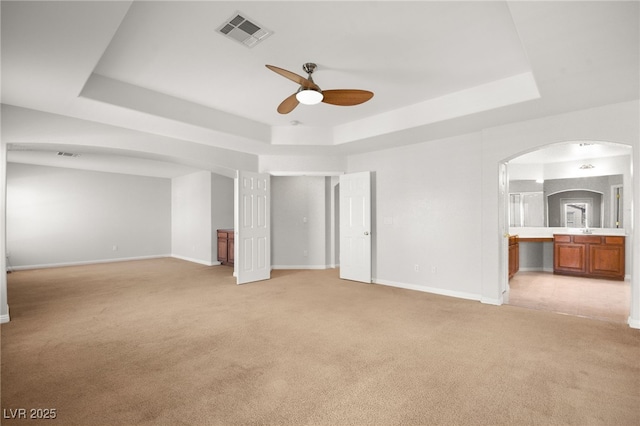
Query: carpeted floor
[{"x": 167, "y": 342}]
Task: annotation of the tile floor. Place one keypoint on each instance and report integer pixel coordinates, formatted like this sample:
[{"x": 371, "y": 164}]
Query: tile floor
[{"x": 587, "y": 297}]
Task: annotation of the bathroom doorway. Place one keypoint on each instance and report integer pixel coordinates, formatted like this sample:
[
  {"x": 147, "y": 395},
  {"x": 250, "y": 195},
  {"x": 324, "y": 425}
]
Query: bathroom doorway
[{"x": 603, "y": 169}]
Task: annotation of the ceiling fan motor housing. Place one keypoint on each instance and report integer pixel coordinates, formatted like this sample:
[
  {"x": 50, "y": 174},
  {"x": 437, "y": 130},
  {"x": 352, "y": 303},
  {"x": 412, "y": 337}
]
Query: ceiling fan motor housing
[{"x": 309, "y": 68}]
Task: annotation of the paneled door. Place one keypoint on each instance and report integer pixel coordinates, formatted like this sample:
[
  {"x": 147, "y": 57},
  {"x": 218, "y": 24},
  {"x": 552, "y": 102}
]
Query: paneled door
[
  {"x": 252, "y": 250},
  {"x": 355, "y": 226}
]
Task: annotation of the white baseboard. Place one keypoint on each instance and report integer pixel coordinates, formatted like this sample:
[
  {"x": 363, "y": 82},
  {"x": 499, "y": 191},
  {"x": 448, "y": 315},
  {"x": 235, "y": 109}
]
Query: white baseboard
[
  {"x": 489, "y": 301},
  {"x": 633, "y": 323},
  {"x": 85, "y": 262},
  {"x": 5, "y": 318},
  {"x": 300, "y": 267},
  {"x": 200, "y": 261},
  {"x": 433, "y": 290}
]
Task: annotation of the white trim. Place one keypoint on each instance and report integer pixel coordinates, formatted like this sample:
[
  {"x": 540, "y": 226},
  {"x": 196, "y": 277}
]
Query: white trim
[
  {"x": 300, "y": 267},
  {"x": 200, "y": 261},
  {"x": 85, "y": 262},
  {"x": 302, "y": 173},
  {"x": 633, "y": 323},
  {"x": 433, "y": 290},
  {"x": 5, "y": 318},
  {"x": 489, "y": 301}
]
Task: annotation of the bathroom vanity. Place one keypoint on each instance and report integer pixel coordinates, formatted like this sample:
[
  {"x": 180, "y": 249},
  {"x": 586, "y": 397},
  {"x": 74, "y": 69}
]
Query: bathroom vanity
[{"x": 585, "y": 255}]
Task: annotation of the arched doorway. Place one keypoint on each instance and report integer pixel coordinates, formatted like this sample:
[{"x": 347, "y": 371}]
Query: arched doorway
[{"x": 573, "y": 188}]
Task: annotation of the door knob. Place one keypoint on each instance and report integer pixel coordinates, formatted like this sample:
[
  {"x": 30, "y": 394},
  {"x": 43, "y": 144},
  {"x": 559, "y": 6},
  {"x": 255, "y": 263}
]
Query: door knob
[{"x": 366, "y": 232}]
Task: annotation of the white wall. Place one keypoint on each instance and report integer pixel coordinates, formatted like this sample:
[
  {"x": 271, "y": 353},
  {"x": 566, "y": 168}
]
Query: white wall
[
  {"x": 57, "y": 216},
  {"x": 221, "y": 203},
  {"x": 439, "y": 205},
  {"x": 191, "y": 223},
  {"x": 613, "y": 123},
  {"x": 299, "y": 222},
  {"x": 4, "y": 307},
  {"x": 201, "y": 203},
  {"x": 427, "y": 213}
]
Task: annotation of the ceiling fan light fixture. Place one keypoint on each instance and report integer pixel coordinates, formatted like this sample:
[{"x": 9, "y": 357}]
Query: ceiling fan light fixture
[{"x": 309, "y": 96}]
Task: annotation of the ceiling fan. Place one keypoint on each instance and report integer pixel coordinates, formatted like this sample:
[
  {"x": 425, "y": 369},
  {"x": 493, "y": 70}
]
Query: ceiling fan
[{"x": 310, "y": 93}]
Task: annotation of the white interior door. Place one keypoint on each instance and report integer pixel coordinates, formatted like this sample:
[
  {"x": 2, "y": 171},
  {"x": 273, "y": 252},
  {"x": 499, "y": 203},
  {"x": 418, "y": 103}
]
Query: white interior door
[
  {"x": 252, "y": 250},
  {"x": 503, "y": 223},
  {"x": 355, "y": 226}
]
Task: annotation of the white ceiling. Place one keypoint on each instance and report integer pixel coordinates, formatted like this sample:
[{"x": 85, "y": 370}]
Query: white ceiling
[
  {"x": 437, "y": 68},
  {"x": 570, "y": 151}
]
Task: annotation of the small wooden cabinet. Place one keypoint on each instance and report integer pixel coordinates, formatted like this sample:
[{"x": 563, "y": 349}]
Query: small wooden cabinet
[
  {"x": 514, "y": 255},
  {"x": 595, "y": 256},
  {"x": 225, "y": 246}
]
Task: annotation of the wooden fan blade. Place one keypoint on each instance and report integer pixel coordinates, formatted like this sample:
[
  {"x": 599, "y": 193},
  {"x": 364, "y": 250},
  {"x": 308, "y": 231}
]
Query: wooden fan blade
[
  {"x": 307, "y": 84},
  {"x": 346, "y": 97},
  {"x": 288, "y": 104}
]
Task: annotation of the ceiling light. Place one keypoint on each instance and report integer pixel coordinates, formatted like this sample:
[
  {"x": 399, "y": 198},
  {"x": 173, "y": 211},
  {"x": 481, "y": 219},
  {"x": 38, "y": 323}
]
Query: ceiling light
[
  {"x": 539, "y": 180},
  {"x": 587, "y": 166},
  {"x": 309, "y": 96}
]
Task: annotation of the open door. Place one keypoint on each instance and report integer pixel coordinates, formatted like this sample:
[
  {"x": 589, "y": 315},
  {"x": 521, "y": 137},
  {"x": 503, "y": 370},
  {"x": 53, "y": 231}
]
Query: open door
[
  {"x": 355, "y": 226},
  {"x": 252, "y": 251},
  {"x": 503, "y": 223}
]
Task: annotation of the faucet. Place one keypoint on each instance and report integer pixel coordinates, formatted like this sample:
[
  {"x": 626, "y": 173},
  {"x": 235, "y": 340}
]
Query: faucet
[{"x": 586, "y": 230}]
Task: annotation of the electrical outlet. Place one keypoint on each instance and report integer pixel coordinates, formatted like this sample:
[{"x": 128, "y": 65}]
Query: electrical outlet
[
  {"x": 416, "y": 268},
  {"x": 305, "y": 253},
  {"x": 114, "y": 248},
  {"x": 434, "y": 269}
]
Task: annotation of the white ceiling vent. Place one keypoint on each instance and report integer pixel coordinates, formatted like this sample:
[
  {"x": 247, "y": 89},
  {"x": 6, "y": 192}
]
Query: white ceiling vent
[{"x": 244, "y": 30}]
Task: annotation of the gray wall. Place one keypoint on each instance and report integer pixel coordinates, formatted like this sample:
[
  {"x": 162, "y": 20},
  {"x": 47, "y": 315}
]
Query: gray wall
[
  {"x": 58, "y": 216},
  {"x": 536, "y": 256},
  {"x": 201, "y": 203},
  {"x": 428, "y": 206},
  {"x": 221, "y": 202},
  {"x": 300, "y": 221}
]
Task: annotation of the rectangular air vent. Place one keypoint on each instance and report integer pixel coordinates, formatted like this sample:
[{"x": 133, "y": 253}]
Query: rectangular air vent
[
  {"x": 67, "y": 154},
  {"x": 241, "y": 29}
]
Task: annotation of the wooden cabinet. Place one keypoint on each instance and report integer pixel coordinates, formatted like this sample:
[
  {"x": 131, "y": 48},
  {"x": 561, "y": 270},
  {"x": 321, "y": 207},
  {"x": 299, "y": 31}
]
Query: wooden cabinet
[
  {"x": 514, "y": 255},
  {"x": 597, "y": 256},
  {"x": 225, "y": 246}
]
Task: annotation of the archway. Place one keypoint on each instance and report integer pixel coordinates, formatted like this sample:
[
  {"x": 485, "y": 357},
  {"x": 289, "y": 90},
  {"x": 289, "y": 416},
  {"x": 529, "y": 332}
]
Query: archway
[{"x": 568, "y": 169}]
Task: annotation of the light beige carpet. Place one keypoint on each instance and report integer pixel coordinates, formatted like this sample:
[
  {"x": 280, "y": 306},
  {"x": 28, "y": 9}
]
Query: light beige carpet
[{"x": 167, "y": 342}]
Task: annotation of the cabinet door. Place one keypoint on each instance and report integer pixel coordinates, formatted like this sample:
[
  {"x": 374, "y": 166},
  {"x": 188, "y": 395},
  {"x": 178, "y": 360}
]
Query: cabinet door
[
  {"x": 606, "y": 261},
  {"x": 570, "y": 258},
  {"x": 513, "y": 259},
  {"x": 222, "y": 247},
  {"x": 231, "y": 249}
]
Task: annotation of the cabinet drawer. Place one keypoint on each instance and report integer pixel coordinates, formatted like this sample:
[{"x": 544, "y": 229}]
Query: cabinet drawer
[
  {"x": 614, "y": 240},
  {"x": 587, "y": 239},
  {"x": 562, "y": 238}
]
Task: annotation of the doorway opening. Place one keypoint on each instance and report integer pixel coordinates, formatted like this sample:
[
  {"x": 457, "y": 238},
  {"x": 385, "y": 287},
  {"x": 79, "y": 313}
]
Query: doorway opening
[{"x": 567, "y": 188}]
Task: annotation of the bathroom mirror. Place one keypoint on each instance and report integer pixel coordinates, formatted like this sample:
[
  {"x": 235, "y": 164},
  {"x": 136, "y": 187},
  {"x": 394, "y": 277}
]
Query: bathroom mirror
[
  {"x": 591, "y": 202},
  {"x": 567, "y": 184}
]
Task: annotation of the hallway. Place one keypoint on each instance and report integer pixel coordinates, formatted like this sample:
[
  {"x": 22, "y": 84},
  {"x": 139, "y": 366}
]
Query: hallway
[{"x": 587, "y": 297}]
